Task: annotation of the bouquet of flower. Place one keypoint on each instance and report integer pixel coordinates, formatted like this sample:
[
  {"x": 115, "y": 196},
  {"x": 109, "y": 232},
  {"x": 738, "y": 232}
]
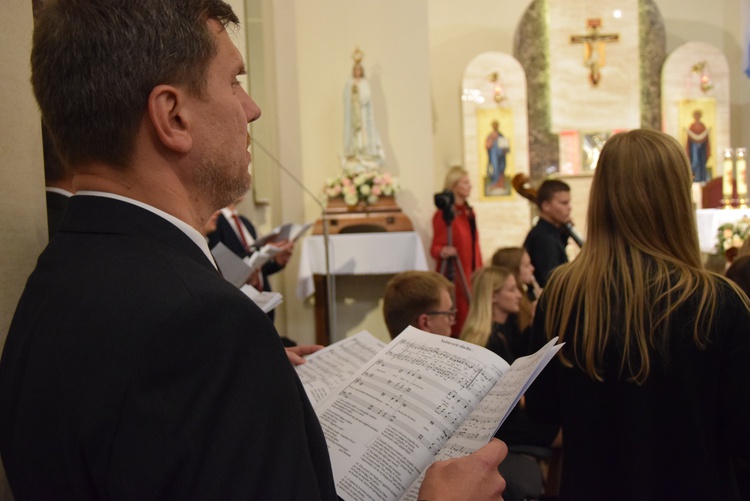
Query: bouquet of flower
[
  {"x": 361, "y": 186},
  {"x": 733, "y": 235}
]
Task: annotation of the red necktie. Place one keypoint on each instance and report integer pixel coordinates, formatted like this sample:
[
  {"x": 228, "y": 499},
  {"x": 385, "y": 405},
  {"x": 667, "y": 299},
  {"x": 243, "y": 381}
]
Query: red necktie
[{"x": 238, "y": 223}]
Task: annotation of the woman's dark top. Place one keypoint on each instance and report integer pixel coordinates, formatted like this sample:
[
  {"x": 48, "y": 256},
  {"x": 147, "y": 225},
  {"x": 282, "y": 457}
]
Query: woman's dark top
[
  {"x": 507, "y": 341},
  {"x": 672, "y": 437}
]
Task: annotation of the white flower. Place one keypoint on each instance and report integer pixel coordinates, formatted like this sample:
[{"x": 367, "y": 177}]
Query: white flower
[
  {"x": 733, "y": 234},
  {"x": 361, "y": 184}
]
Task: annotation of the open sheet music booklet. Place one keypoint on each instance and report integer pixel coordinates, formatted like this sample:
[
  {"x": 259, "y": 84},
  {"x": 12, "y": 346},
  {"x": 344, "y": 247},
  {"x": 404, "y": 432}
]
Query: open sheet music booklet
[
  {"x": 265, "y": 300},
  {"x": 418, "y": 399},
  {"x": 288, "y": 231}
]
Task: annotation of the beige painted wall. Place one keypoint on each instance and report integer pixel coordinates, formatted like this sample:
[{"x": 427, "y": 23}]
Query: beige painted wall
[
  {"x": 22, "y": 204},
  {"x": 313, "y": 46}
]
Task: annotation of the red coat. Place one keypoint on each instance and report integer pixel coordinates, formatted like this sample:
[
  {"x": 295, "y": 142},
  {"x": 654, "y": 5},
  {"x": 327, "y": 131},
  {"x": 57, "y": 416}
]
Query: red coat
[{"x": 462, "y": 241}]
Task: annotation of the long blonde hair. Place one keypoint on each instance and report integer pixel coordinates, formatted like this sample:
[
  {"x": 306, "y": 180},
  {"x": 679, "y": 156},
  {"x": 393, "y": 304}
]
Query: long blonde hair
[
  {"x": 641, "y": 261},
  {"x": 510, "y": 257},
  {"x": 453, "y": 176},
  {"x": 484, "y": 283}
]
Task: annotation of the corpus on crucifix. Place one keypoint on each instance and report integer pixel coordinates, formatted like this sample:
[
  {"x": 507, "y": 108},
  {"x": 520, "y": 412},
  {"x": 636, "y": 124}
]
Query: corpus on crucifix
[{"x": 594, "y": 48}]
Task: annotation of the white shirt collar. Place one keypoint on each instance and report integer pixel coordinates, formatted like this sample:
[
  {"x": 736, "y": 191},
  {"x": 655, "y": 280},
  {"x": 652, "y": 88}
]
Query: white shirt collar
[{"x": 59, "y": 191}]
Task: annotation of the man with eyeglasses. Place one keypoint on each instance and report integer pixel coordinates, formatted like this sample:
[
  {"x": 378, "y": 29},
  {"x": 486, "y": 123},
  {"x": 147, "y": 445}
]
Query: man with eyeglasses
[{"x": 421, "y": 299}]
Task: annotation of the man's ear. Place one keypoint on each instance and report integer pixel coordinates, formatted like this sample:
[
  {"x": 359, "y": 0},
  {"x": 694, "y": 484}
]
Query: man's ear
[
  {"x": 544, "y": 206},
  {"x": 423, "y": 322},
  {"x": 166, "y": 109}
]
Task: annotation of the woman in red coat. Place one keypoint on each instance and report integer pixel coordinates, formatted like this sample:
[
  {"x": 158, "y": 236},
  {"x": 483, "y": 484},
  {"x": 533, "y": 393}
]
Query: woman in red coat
[{"x": 465, "y": 242}]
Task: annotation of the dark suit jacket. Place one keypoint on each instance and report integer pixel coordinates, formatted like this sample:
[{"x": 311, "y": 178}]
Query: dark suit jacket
[
  {"x": 132, "y": 370},
  {"x": 56, "y": 204},
  {"x": 545, "y": 244}
]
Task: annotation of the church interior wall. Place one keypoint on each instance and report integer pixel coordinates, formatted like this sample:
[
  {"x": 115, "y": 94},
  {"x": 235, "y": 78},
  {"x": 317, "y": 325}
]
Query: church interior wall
[
  {"x": 23, "y": 215},
  {"x": 314, "y": 42},
  {"x": 439, "y": 37}
]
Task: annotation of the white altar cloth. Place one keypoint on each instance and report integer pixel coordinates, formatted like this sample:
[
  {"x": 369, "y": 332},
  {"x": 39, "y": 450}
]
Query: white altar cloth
[
  {"x": 359, "y": 254},
  {"x": 709, "y": 220}
]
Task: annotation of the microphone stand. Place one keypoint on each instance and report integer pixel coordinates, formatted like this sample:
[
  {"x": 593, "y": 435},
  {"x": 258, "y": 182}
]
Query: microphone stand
[{"x": 330, "y": 282}]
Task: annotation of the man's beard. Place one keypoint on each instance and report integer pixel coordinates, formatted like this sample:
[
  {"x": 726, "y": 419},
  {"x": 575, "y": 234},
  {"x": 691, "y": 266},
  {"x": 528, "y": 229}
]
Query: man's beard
[{"x": 220, "y": 188}]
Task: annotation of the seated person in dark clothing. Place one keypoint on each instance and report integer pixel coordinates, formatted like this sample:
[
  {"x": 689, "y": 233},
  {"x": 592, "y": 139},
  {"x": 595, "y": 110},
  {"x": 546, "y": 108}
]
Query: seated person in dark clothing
[
  {"x": 546, "y": 241},
  {"x": 739, "y": 273},
  {"x": 492, "y": 322}
]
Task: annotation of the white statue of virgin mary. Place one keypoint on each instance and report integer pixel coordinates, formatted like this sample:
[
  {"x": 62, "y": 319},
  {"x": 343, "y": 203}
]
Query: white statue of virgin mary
[{"x": 362, "y": 144}]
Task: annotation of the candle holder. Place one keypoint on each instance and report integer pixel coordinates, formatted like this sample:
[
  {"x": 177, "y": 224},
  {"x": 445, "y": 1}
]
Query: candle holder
[
  {"x": 740, "y": 165},
  {"x": 727, "y": 184}
]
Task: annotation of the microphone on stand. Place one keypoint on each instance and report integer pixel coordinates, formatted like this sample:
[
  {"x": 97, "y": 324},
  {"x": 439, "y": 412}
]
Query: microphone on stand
[
  {"x": 573, "y": 233},
  {"x": 330, "y": 283}
]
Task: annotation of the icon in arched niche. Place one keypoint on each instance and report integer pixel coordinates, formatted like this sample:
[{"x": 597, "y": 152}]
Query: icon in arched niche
[{"x": 495, "y": 151}]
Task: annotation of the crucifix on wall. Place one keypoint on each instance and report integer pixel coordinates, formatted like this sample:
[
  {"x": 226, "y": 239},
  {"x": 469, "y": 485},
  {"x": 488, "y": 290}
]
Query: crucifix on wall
[{"x": 594, "y": 48}]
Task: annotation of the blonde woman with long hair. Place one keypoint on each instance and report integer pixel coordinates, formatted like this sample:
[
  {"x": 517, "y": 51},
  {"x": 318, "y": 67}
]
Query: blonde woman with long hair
[
  {"x": 652, "y": 387},
  {"x": 517, "y": 259},
  {"x": 492, "y": 320}
]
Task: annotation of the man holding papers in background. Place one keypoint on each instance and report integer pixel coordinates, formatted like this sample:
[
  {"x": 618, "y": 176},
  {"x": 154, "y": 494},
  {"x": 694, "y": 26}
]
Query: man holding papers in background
[
  {"x": 238, "y": 234},
  {"x": 137, "y": 378}
]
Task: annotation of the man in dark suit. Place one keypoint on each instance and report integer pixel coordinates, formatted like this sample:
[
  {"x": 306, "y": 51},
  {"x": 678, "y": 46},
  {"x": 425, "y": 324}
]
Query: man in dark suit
[
  {"x": 145, "y": 374},
  {"x": 132, "y": 370},
  {"x": 237, "y": 233}
]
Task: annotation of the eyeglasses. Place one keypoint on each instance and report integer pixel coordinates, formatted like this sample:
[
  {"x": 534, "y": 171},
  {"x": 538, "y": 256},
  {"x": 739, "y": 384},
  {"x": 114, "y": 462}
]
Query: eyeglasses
[{"x": 451, "y": 314}]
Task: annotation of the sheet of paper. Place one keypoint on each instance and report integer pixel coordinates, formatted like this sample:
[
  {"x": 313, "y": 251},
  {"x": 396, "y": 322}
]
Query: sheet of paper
[
  {"x": 480, "y": 426},
  {"x": 292, "y": 231},
  {"x": 326, "y": 369},
  {"x": 260, "y": 257},
  {"x": 269, "y": 237},
  {"x": 266, "y": 300},
  {"x": 232, "y": 267},
  {"x": 386, "y": 423}
]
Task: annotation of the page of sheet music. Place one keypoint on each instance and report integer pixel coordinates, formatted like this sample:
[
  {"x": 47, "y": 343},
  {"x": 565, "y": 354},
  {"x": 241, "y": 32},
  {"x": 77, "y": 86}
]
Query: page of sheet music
[
  {"x": 265, "y": 300},
  {"x": 485, "y": 420},
  {"x": 328, "y": 368},
  {"x": 386, "y": 423}
]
